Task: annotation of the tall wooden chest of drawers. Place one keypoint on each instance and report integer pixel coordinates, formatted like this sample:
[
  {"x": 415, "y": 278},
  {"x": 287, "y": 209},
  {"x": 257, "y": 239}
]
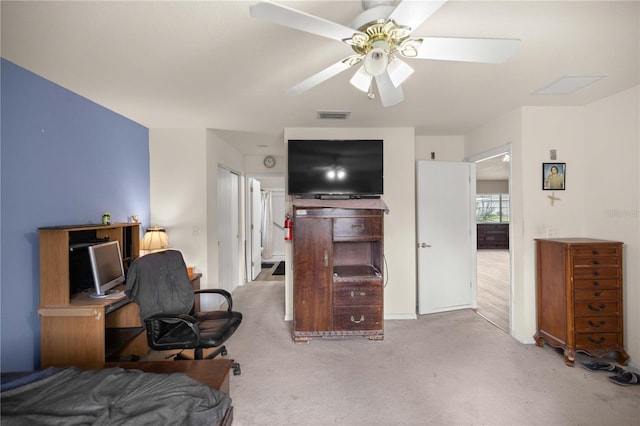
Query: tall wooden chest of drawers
[
  {"x": 337, "y": 273},
  {"x": 579, "y": 297}
]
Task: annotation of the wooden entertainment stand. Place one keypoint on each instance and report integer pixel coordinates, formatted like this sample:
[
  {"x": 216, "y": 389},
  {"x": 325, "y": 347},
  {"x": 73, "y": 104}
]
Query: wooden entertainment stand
[
  {"x": 338, "y": 268},
  {"x": 76, "y": 329}
]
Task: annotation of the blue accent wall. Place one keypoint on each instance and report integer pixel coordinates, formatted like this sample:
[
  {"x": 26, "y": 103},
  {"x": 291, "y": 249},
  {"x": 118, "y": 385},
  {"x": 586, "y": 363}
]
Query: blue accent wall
[{"x": 64, "y": 160}]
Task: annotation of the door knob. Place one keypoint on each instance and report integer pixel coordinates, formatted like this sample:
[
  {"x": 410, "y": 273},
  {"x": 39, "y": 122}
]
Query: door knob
[{"x": 424, "y": 245}]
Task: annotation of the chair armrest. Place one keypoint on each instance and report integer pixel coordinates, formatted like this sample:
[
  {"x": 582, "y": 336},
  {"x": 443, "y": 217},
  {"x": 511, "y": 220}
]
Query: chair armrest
[
  {"x": 220, "y": 291},
  {"x": 187, "y": 319}
]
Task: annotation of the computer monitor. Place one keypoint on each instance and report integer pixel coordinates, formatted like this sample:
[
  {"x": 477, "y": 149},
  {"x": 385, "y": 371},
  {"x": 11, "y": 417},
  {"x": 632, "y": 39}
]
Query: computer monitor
[{"x": 106, "y": 267}]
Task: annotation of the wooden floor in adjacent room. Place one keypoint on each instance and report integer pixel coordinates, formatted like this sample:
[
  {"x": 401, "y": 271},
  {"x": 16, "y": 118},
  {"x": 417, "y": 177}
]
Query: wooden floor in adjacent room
[
  {"x": 493, "y": 286},
  {"x": 266, "y": 274}
]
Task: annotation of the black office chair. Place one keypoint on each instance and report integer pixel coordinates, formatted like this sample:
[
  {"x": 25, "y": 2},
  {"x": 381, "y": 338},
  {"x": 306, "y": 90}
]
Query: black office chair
[{"x": 159, "y": 283}]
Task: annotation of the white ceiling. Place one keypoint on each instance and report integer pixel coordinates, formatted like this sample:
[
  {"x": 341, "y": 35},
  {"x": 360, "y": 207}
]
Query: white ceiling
[{"x": 210, "y": 65}]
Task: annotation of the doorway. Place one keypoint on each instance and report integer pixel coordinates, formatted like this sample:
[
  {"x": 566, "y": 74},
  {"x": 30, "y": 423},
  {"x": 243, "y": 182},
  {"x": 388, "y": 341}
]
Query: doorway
[
  {"x": 265, "y": 248},
  {"x": 493, "y": 256}
]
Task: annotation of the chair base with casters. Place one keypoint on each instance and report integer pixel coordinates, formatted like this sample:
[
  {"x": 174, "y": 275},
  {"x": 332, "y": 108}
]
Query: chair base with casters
[
  {"x": 198, "y": 331},
  {"x": 198, "y": 354}
]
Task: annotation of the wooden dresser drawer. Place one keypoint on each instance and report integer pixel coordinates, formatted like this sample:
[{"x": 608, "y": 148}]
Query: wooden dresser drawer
[
  {"x": 596, "y": 260},
  {"x": 596, "y": 307},
  {"x": 360, "y": 294},
  {"x": 597, "y": 272},
  {"x": 597, "y": 340},
  {"x": 597, "y": 324},
  {"x": 597, "y": 294},
  {"x": 596, "y": 283},
  {"x": 598, "y": 250},
  {"x": 354, "y": 227},
  {"x": 352, "y": 318}
]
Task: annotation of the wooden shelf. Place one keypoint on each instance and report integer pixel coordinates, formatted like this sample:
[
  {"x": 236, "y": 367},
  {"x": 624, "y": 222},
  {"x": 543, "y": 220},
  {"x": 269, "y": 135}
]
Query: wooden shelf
[
  {"x": 76, "y": 329},
  {"x": 356, "y": 271}
]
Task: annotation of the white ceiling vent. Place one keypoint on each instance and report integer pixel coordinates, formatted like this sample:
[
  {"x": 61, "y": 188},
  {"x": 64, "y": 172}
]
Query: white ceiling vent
[{"x": 333, "y": 115}]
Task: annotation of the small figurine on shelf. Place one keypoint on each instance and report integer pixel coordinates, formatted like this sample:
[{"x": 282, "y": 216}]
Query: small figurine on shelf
[{"x": 106, "y": 218}]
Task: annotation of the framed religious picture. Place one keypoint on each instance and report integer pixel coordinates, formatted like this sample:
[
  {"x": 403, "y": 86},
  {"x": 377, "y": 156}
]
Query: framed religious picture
[{"x": 554, "y": 176}]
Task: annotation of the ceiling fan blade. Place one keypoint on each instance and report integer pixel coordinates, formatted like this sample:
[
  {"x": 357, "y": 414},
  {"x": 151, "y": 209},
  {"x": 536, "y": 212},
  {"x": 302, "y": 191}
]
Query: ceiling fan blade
[
  {"x": 487, "y": 50},
  {"x": 288, "y": 17},
  {"x": 413, "y": 13},
  {"x": 318, "y": 78},
  {"x": 389, "y": 94}
]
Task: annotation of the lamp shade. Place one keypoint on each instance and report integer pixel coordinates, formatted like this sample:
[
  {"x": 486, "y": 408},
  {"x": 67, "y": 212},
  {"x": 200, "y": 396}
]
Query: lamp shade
[
  {"x": 155, "y": 239},
  {"x": 361, "y": 80},
  {"x": 376, "y": 61},
  {"x": 399, "y": 71}
]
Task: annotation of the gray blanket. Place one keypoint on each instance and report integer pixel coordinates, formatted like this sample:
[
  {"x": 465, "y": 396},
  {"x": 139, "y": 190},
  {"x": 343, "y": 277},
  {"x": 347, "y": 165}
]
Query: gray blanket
[{"x": 113, "y": 396}]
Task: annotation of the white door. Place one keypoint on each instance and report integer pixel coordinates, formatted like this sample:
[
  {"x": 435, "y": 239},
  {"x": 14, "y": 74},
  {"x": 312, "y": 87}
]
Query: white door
[
  {"x": 256, "y": 234},
  {"x": 228, "y": 244},
  {"x": 446, "y": 236}
]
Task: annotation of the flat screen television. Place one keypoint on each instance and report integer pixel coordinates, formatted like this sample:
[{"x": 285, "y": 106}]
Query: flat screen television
[
  {"x": 106, "y": 267},
  {"x": 335, "y": 168}
]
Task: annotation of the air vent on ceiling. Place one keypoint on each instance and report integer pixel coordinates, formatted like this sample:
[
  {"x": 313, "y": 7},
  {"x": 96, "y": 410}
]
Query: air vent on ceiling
[{"x": 333, "y": 115}]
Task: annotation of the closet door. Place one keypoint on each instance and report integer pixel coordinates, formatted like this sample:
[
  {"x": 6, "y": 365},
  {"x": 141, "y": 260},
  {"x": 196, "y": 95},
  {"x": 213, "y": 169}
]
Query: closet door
[
  {"x": 446, "y": 236},
  {"x": 228, "y": 225}
]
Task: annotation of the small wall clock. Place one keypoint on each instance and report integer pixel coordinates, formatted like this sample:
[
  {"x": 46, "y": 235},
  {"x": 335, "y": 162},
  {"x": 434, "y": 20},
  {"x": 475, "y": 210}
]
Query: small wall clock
[{"x": 269, "y": 161}]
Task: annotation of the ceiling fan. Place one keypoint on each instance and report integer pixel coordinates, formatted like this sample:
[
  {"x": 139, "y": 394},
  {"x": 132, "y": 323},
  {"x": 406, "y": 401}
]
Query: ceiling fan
[{"x": 380, "y": 36}]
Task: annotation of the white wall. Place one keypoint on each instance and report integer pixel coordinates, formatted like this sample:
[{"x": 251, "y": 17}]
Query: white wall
[
  {"x": 184, "y": 188},
  {"x": 612, "y": 193},
  {"x": 492, "y": 187},
  {"x": 399, "y": 224},
  {"x": 444, "y": 148},
  {"x": 599, "y": 144},
  {"x": 178, "y": 165}
]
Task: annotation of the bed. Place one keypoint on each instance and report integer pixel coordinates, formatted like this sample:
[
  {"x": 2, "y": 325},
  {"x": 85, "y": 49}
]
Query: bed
[{"x": 110, "y": 396}]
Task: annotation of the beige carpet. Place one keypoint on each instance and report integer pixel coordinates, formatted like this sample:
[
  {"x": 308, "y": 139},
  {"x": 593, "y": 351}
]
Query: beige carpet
[{"x": 442, "y": 369}]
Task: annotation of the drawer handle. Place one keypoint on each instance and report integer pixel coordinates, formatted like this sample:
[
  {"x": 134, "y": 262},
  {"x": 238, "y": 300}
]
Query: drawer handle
[
  {"x": 596, "y": 293},
  {"x": 596, "y": 262},
  {"x": 598, "y": 309},
  {"x": 362, "y": 293},
  {"x": 595, "y": 252},
  {"x": 593, "y": 324},
  {"x": 326, "y": 258},
  {"x": 596, "y": 272},
  {"x": 355, "y": 321},
  {"x": 596, "y": 283},
  {"x": 358, "y": 226},
  {"x": 597, "y": 342}
]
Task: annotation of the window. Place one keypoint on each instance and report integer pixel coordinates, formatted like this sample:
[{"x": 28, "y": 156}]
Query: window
[{"x": 491, "y": 208}]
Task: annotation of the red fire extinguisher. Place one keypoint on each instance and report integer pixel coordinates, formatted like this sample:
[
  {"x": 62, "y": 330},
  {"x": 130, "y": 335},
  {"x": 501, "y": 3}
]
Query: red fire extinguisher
[{"x": 288, "y": 229}]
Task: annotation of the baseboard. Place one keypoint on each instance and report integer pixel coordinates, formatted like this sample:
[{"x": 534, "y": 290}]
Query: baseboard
[
  {"x": 400, "y": 316},
  {"x": 386, "y": 317}
]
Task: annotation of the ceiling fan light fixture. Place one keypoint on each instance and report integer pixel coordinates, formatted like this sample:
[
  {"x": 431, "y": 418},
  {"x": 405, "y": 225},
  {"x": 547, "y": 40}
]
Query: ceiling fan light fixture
[
  {"x": 361, "y": 80},
  {"x": 399, "y": 71},
  {"x": 376, "y": 61}
]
